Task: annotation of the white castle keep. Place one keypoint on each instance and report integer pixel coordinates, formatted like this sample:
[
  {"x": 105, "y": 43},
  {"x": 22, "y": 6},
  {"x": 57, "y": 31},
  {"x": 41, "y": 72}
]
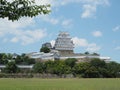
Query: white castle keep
[{"x": 64, "y": 44}]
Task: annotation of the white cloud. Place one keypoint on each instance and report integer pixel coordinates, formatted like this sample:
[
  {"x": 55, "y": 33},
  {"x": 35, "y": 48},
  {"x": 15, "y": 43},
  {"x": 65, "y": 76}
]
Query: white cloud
[
  {"x": 30, "y": 36},
  {"x": 93, "y": 47},
  {"x": 17, "y": 32},
  {"x": 117, "y": 48},
  {"x": 88, "y": 11},
  {"x": 49, "y": 19},
  {"x": 67, "y": 23},
  {"x": 14, "y": 40},
  {"x": 89, "y": 6},
  {"x": 117, "y": 28},
  {"x": 1, "y": 34},
  {"x": 65, "y": 2},
  {"x": 81, "y": 42},
  {"x": 97, "y": 33},
  {"x": 22, "y": 23}
]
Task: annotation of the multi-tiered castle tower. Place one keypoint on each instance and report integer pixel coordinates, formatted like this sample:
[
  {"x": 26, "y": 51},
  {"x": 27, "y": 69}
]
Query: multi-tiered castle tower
[{"x": 64, "y": 44}]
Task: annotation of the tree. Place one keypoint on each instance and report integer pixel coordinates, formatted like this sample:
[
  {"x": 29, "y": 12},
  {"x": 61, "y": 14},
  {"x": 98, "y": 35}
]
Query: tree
[
  {"x": 91, "y": 72},
  {"x": 18, "y": 59},
  {"x": 49, "y": 66},
  {"x": 100, "y": 66},
  {"x": 21, "y": 8},
  {"x": 87, "y": 53},
  {"x": 24, "y": 59},
  {"x": 28, "y": 61},
  {"x": 2, "y": 55},
  {"x": 45, "y": 50},
  {"x": 4, "y": 58},
  {"x": 80, "y": 68},
  {"x": 113, "y": 69},
  {"x": 11, "y": 67},
  {"x": 61, "y": 68},
  {"x": 38, "y": 67},
  {"x": 70, "y": 62},
  {"x": 96, "y": 62}
]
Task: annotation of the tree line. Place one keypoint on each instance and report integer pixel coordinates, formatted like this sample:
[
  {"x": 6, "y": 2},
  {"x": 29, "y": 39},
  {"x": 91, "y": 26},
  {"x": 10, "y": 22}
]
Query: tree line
[
  {"x": 18, "y": 59},
  {"x": 94, "y": 68}
]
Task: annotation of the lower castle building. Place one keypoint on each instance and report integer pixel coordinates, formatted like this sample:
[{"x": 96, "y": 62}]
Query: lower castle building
[{"x": 63, "y": 49}]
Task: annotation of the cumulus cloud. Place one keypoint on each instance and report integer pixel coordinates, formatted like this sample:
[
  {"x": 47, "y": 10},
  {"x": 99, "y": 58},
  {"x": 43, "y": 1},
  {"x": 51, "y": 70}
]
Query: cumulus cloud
[
  {"x": 117, "y": 48},
  {"x": 97, "y": 33},
  {"x": 49, "y": 19},
  {"x": 1, "y": 34},
  {"x": 67, "y": 23},
  {"x": 117, "y": 28},
  {"x": 16, "y": 32},
  {"x": 65, "y": 2},
  {"x": 81, "y": 42},
  {"x": 89, "y": 7},
  {"x": 88, "y": 11},
  {"x": 14, "y": 40},
  {"x": 22, "y": 23},
  {"x": 29, "y": 36},
  {"x": 93, "y": 47}
]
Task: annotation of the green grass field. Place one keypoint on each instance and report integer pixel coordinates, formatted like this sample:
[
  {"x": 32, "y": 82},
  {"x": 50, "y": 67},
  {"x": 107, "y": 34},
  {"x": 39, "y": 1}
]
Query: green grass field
[{"x": 59, "y": 84}]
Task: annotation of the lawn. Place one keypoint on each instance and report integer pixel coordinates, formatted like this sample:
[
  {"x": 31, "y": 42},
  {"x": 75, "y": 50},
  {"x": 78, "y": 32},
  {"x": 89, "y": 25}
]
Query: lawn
[{"x": 59, "y": 84}]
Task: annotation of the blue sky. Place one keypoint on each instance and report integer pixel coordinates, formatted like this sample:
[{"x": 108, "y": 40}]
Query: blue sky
[{"x": 94, "y": 26}]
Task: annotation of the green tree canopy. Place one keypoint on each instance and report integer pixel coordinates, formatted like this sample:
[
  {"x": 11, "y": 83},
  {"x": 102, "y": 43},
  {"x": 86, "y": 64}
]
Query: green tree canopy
[
  {"x": 86, "y": 53},
  {"x": 4, "y": 58},
  {"x": 91, "y": 72},
  {"x": 70, "y": 62},
  {"x": 61, "y": 68},
  {"x": 24, "y": 59},
  {"x": 49, "y": 66},
  {"x": 38, "y": 67},
  {"x": 11, "y": 67},
  {"x": 113, "y": 69},
  {"x": 45, "y": 50},
  {"x": 80, "y": 68},
  {"x": 21, "y": 8},
  {"x": 96, "y": 62}
]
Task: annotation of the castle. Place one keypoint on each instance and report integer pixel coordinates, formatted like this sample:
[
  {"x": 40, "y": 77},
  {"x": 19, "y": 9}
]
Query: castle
[{"x": 63, "y": 49}]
